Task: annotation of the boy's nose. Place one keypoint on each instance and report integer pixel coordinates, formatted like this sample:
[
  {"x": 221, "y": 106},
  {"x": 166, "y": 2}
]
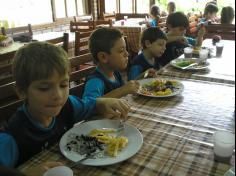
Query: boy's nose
[{"x": 57, "y": 93}]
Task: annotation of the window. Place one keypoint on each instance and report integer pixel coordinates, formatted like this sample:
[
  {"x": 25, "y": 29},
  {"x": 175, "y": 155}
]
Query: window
[
  {"x": 143, "y": 6},
  {"x": 71, "y": 10},
  {"x": 110, "y": 6},
  {"x": 15, "y": 13},
  {"x": 81, "y": 4},
  {"x": 60, "y": 8},
  {"x": 126, "y": 6}
]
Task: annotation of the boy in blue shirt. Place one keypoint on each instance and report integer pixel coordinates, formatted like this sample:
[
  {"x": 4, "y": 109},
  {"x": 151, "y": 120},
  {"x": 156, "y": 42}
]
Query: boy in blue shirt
[
  {"x": 108, "y": 49},
  {"x": 41, "y": 73},
  {"x": 177, "y": 24},
  {"x": 153, "y": 42}
]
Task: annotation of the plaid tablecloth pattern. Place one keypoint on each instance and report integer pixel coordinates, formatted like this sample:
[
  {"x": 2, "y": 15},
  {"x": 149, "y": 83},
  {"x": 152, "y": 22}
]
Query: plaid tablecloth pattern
[{"x": 177, "y": 132}]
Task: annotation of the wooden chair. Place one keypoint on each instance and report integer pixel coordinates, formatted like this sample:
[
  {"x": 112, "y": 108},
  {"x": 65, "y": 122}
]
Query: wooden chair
[
  {"x": 102, "y": 23},
  {"x": 6, "y": 74},
  {"x": 81, "y": 42},
  {"x": 226, "y": 31},
  {"x": 108, "y": 16},
  {"x": 82, "y": 26},
  {"x": 64, "y": 40}
]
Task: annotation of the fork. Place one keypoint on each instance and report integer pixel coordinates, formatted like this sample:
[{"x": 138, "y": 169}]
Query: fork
[
  {"x": 121, "y": 127},
  {"x": 91, "y": 156}
]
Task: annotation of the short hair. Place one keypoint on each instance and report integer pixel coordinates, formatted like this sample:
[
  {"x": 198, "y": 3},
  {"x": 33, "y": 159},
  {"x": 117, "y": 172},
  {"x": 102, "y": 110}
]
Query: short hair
[
  {"x": 210, "y": 8},
  {"x": 172, "y": 6},
  {"x": 177, "y": 19},
  {"x": 36, "y": 61},
  {"x": 227, "y": 15},
  {"x": 102, "y": 40},
  {"x": 152, "y": 34},
  {"x": 155, "y": 10}
]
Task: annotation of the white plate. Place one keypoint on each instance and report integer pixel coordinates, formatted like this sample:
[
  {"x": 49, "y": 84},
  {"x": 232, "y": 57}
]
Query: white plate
[
  {"x": 196, "y": 67},
  {"x": 134, "y": 144},
  {"x": 180, "y": 87}
]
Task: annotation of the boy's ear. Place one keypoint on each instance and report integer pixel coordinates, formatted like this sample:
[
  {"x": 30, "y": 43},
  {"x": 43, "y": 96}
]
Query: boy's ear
[
  {"x": 102, "y": 57},
  {"x": 20, "y": 93},
  {"x": 147, "y": 43}
]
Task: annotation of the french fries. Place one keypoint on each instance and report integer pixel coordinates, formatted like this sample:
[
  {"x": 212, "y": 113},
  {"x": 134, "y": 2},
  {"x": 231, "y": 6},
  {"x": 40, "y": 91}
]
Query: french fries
[{"x": 114, "y": 144}]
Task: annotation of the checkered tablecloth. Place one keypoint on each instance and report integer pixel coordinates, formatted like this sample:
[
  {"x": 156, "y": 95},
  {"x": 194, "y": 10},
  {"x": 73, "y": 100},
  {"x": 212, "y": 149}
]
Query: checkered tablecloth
[
  {"x": 177, "y": 133},
  {"x": 220, "y": 69}
]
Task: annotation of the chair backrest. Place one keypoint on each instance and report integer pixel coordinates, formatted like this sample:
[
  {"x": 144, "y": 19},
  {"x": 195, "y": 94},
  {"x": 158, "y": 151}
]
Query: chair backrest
[
  {"x": 79, "y": 76},
  {"x": 120, "y": 16},
  {"x": 7, "y": 57},
  {"x": 108, "y": 16},
  {"x": 64, "y": 40},
  {"x": 82, "y": 26},
  {"x": 6, "y": 74},
  {"x": 102, "y": 23},
  {"x": 81, "y": 42},
  {"x": 226, "y": 31},
  {"x": 17, "y": 31}
]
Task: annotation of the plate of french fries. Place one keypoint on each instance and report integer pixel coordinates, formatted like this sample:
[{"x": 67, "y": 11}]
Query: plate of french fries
[{"x": 98, "y": 143}]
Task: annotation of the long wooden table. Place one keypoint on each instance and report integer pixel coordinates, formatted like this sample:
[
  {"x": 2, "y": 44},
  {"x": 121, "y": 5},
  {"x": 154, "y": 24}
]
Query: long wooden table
[
  {"x": 177, "y": 131},
  {"x": 221, "y": 69}
]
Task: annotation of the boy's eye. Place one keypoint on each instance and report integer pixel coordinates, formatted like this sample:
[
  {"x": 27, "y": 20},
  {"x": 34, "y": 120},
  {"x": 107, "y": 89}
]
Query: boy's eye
[
  {"x": 43, "y": 88},
  {"x": 64, "y": 85}
]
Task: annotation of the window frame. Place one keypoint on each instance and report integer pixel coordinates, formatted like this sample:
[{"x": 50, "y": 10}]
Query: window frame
[{"x": 101, "y": 6}]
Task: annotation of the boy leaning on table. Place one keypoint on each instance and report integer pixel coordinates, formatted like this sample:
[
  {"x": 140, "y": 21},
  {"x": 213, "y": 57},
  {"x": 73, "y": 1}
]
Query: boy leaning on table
[
  {"x": 108, "y": 49},
  {"x": 41, "y": 72},
  {"x": 153, "y": 42},
  {"x": 177, "y": 24}
]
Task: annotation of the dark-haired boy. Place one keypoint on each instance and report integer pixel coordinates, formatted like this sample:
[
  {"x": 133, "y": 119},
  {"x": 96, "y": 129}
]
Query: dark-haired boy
[
  {"x": 177, "y": 24},
  {"x": 153, "y": 42},
  {"x": 108, "y": 48}
]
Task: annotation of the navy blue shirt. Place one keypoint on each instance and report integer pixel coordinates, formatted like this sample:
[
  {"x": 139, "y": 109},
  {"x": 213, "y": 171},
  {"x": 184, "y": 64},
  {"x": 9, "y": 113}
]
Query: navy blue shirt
[
  {"x": 139, "y": 65},
  {"x": 29, "y": 137},
  {"x": 173, "y": 51},
  {"x": 97, "y": 84}
]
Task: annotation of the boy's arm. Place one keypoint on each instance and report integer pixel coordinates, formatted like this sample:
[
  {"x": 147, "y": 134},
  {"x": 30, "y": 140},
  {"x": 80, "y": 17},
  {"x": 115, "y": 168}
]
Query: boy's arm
[
  {"x": 134, "y": 72},
  {"x": 8, "y": 150},
  {"x": 129, "y": 88},
  {"x": 200, "y": 35}
]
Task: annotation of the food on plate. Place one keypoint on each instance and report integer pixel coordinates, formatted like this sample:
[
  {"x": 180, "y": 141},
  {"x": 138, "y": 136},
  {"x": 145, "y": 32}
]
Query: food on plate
[
  {"x": 84, "y": 145},
  {"x": 159, "y": 87},
  {"x": 97, "y": 143},
  {"x": 114, "y": 143},
  {"x": 184, "y": 63}
]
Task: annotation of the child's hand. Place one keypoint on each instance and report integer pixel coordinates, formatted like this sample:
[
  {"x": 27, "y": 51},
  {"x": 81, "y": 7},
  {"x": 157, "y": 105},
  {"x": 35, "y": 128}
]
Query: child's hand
[
  {"x": 182, "y": 40},
  {"x": 130, "y": 87},
  {"x": 150, "y": 73},
  {"x": 39, "y": 170},
  {"x": 112, "y": 107}
]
